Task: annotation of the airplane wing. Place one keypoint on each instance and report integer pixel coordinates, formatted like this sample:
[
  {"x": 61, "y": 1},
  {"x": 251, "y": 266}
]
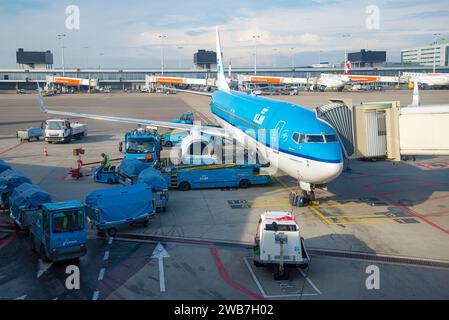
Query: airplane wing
[
  {"x": 200, "y": 93},
  {"x": 213, "y": 131}
]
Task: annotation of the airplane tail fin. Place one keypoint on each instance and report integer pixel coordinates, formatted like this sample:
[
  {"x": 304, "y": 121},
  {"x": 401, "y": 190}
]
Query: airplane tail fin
[
  {"x": 347, "y": 67},
  {"x": 221, "y": 79},
  {"x": 415, "y": 102}
]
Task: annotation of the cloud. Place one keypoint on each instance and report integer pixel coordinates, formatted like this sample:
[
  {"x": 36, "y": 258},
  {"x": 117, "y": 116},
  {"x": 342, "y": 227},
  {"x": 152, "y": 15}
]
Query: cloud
[{"x": 128, "y": 34}]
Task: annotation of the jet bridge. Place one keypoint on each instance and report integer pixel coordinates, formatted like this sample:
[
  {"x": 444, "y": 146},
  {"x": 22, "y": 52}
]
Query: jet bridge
[
  {"x": 385, "y": 130},
  {"x": 152, "y": 81}
]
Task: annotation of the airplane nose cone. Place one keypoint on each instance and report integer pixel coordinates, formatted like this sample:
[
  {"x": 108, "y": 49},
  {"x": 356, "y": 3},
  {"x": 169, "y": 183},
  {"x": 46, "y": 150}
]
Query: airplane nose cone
[
  {"x": 322, "y": 172},
  {"x": 329, "y": 171}
]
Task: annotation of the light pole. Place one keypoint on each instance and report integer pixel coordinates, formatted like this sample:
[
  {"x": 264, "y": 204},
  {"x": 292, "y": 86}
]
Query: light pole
[
  {"x": 162, "y": 36},
  {"x": 436, "y": 35},
  {"x": 61, "y": 37},
  {"x": 293, "y": 58},
  {"x": 346, "y": 54},
  {"x": 319, "y": 56},
  {"x": 179, "y": 56},
  {"x": 87, "y": 56},
  {"x": 255, "y": 37}
]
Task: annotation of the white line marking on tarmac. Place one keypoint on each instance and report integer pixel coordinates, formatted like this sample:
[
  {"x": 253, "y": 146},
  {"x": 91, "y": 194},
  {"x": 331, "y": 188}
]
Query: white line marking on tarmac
[
  {"x": 254, "y": 277},
  {"x": 310, "y": 282},
  {"x": 42, "y": 267},
  {"x": 106, "y": 255},
  {"x": 96, "y": 295},
  {"x": 295, "y": 294},
  {"x": 160, "y": 253},
  {"x": 22, "y": 297},
  {"x": 101, "y": 275}
]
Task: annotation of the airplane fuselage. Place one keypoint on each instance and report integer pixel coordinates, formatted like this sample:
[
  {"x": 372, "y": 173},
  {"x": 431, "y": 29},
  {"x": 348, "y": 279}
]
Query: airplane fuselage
[{"x": 287, "y": 135}]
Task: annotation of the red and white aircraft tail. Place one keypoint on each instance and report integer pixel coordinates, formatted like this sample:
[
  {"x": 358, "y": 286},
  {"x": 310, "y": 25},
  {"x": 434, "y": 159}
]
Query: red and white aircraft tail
[{"x": 347, "y": 67}]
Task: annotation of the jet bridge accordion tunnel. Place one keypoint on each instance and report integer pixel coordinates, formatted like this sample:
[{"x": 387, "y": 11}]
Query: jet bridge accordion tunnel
[{"x": 385, "y": 130}]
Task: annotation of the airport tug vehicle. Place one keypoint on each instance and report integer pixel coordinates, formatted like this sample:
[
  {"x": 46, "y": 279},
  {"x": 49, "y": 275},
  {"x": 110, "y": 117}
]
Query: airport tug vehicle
[
  {"x": 278, "y": 244},
  {"x": 142, "y": 144}
]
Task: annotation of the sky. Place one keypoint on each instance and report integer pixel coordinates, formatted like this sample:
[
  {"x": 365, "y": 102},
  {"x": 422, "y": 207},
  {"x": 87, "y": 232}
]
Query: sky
[{"x": 125, "y": 34}]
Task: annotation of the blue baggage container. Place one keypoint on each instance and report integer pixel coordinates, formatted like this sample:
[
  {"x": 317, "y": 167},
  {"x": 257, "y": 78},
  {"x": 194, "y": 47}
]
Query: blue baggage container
[
  {"x": 110, "y": 208},
  {"x": 9, "y": 180},
  {"x": 25, "y": 198},
  {"x": 129, "y": 170},
  {"x": 154, "y": 179},
  {"x": 4, "y": 166}
]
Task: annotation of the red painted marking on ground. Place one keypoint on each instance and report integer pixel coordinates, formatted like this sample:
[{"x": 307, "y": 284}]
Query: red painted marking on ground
[
  {"x": 228, "y": 279},
  {"x": 11, "y": 148},
  {"x": 8, "y": 240},
  {"x": 388, "y": 200},
  {"x": 380, "y": 183},
  {"x": 436, "y": 213},
  {"x": 414, "y": 189}
]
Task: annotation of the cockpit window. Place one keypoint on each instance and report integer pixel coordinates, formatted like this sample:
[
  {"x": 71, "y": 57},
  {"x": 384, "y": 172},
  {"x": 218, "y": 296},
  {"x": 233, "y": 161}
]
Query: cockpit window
[
  {"x": 313, "y": 138},
  {"x": 331, "y": 138}
]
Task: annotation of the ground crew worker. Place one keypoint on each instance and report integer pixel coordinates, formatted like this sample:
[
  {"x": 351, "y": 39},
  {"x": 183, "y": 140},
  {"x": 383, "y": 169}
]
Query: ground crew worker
[{"x": 106, "y": 164}]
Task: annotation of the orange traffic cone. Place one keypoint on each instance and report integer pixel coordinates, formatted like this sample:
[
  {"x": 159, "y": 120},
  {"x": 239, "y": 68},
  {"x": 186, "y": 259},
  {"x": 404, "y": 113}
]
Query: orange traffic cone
[{"x": 45, "y": 152}]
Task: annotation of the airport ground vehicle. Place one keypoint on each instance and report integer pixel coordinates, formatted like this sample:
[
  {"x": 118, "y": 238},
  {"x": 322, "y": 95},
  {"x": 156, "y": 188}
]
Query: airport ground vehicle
[
  {"x": 176, "y": 136},
  {"x": 186, "y": 118},
  {"x": 9, "y": 180},
  {"x": 30, "y": 133},
  {"x": 278, "y": 243},
  {"x": 141, "y": 144},
  {"x": 154, "y": 179},
  {"x": 62, "y": 130},
  {"x": 57, "y": 229},
  {"x": 231, "y": 175},
  {"x": 105, "y": 176},
  {"x": 110, "y": 208}
]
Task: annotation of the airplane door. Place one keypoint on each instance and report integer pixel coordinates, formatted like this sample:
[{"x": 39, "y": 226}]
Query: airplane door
[{"x": 275, "y": 136}]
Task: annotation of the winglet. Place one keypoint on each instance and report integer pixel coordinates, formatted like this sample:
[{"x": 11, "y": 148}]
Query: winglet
[
  {"x": 415, "y": 102},
  {"x": 221, "y": 79},
  {"x": 41, "y": 99}
]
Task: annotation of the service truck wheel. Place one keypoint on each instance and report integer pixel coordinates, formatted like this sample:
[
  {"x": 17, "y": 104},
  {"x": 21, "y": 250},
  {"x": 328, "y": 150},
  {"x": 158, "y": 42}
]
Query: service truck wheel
[
  {"x": 43, "y": 255},
  {"x": 244, "y": 184},
  {"x": 112, "y": 232},
  {"x": 184, "y": 186},
  {"x": 146, "y": 223},
  {"x": 169, "y": 144},
  {"x": 33, "y": 247}
]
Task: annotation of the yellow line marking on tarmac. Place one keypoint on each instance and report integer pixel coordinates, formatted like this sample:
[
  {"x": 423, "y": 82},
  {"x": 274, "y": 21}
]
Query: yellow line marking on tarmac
[
  {"x": 372, "y": 221},
  {"x": 283, "y": 184},
  {"x": 319, "y": 214}
]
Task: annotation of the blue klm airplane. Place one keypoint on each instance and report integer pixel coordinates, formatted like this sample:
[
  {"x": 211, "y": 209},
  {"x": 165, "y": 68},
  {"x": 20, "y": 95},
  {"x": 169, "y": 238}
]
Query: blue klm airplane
[{"x": 289, "y": 136}]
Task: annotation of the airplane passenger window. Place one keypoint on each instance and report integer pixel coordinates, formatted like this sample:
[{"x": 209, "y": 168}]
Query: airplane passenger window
[{"x": 331, "y": 138}]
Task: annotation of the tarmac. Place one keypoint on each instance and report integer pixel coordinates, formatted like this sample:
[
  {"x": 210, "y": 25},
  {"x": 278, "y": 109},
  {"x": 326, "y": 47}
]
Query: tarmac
[{"x": 391, "y": 215}]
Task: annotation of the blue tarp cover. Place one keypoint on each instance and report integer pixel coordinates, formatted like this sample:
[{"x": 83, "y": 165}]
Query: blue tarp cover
[
  {"x": 10, "y": 179},
  {"x": 132, "y": 167},
  {"x": 154, "y": 179},
  {"x": 119, "y": 204},
  {"x": 4, "y": 166},
  {"x": 29, "y": 195}
]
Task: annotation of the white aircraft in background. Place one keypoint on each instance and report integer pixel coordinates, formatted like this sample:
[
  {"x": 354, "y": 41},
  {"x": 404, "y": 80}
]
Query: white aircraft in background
[{"x": 428, "y": 79}]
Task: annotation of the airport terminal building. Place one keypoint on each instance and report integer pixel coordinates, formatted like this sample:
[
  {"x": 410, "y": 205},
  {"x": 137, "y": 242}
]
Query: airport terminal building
[
  {"x": 134, "y": 79},
  {"x": 436, "y": 53}
]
